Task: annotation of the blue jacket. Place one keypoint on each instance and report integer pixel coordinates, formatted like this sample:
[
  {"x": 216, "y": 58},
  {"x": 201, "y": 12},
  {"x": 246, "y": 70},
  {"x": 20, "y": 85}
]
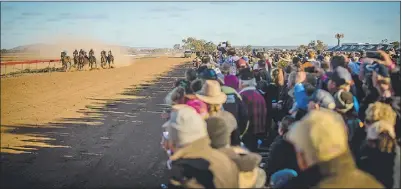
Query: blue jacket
[{"x": 300, "y": 96}]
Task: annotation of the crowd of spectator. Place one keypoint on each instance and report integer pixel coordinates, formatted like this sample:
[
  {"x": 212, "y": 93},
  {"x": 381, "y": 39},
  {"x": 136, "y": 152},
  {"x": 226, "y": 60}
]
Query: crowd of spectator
[{"x": 285, "y": 120}]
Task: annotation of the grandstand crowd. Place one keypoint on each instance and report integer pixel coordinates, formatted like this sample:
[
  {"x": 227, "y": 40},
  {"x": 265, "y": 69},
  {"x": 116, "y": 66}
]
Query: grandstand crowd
[{"x": 285, "y": 119}]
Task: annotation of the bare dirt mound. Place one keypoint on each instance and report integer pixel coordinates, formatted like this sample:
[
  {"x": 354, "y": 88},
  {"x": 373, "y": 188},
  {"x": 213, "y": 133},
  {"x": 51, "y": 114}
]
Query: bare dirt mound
[{"x": 35, "y": 100}]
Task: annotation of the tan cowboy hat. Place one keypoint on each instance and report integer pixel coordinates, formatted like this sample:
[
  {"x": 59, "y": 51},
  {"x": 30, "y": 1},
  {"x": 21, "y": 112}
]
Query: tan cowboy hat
[{"x": 211, "y": 93}]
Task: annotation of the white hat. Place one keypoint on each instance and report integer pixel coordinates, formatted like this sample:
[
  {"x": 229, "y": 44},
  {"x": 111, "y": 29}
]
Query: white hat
[{"x": 185, "y": 125}]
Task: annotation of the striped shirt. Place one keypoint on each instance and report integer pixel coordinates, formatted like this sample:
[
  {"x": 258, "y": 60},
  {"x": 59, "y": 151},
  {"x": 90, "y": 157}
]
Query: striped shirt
[{"x": 257, "y": 109}]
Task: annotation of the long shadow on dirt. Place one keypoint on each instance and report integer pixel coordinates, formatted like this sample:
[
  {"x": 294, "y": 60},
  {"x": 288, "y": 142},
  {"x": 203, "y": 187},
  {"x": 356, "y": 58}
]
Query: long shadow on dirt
[{"x": 116, "y": 144}]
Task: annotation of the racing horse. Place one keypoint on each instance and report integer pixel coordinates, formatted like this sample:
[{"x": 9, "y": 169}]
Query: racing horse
[
  {"x": 83, "y": 60},
  {"x": 103, "y": 59},
  {"x": 65, "y": 61},
  {"x": 76, "y": 60},
  {"x": 92, "y": 59},
  {"x": 75, "y": 55},
  {"x": 110, "y": 59}
]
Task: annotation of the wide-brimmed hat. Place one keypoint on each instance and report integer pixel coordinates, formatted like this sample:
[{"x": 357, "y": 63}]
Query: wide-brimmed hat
[{"x": 211, "y": 93}]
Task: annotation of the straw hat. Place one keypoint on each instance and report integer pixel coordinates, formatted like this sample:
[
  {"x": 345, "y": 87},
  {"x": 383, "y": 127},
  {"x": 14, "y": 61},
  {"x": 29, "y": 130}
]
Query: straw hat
[{"x": 211, "y": 93}]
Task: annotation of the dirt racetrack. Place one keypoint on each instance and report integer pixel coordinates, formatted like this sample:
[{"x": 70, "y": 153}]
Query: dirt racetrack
[{"x": 86, "y": 129}]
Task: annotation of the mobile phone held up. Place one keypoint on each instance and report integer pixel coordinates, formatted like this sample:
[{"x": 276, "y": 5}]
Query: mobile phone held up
[{"x": 374, "y": 54}]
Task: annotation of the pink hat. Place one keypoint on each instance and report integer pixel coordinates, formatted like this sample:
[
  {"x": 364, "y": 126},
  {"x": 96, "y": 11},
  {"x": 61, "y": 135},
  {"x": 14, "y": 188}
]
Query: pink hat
[{"x": 199, "y": 106}]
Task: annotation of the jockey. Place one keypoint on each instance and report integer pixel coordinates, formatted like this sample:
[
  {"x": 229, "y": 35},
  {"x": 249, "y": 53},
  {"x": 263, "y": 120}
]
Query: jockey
[
  {"x": 63, "y": 53},
  {"x": 91, "y": 52},
  {"x": 75, "y": 52}
]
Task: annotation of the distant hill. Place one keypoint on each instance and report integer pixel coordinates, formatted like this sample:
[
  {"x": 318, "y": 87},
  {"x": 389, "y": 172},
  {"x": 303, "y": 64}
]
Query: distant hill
[{"x": 31, "y": 47}]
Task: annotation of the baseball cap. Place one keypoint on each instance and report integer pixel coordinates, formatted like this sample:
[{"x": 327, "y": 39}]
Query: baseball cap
[{"x": 185, "y": 125}]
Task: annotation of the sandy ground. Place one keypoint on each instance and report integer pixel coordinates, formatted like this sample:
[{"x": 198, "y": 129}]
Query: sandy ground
[
  {"x": 35, "y": 100},
  {"x": 108, "y": 144},
  {"x": 98, "y": 129}
]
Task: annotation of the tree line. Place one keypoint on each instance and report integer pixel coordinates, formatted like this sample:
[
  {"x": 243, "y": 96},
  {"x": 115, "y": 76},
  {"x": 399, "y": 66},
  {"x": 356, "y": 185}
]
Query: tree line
[{"x": 194, "y": 44}]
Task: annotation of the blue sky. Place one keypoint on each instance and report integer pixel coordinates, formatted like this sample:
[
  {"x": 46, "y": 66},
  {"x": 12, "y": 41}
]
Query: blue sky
[{"x": 162, "y": 24}]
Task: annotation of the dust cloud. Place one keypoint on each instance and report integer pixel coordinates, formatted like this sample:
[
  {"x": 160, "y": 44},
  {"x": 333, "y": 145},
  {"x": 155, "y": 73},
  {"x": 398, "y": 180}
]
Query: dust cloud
[{"x": 69, "y": 44}]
